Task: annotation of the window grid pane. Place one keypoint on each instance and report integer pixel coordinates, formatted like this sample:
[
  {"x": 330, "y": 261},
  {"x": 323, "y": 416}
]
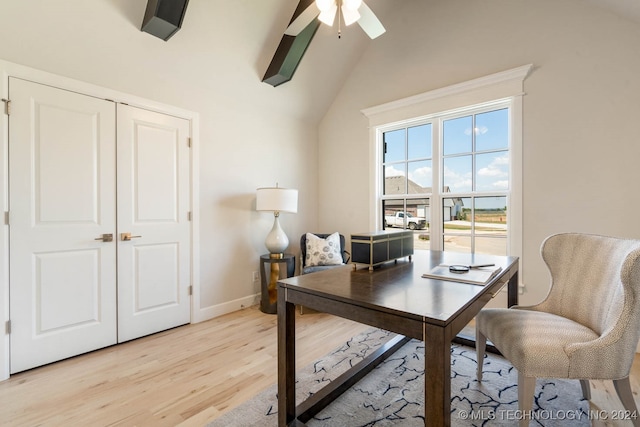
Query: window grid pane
[
  {"x": 420, "y": 177},
  {"x": 492, "y": 131},
  {"x": 492, "y": 171},
  {"x": 457, "y": 176},
  {"x": 394, "y": 146},
  {"x": 419, "y": 142},
  {"x": 394, "y": 183},
  {"x": 457, "y": 136}
]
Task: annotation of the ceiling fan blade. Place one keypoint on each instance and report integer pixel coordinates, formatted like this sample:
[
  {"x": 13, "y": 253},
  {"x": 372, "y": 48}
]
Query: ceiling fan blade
[
  {"x": 328, "y": 15},
  {"x": 350, "y": 15},
  {"x": 303, "y": 20},
  {"x": 370, "y": 22}
]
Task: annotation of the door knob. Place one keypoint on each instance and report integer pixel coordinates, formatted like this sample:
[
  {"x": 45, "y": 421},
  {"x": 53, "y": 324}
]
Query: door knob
[
  {"x": 106, "y": 238},
  {"x": 125, "y": 237}
]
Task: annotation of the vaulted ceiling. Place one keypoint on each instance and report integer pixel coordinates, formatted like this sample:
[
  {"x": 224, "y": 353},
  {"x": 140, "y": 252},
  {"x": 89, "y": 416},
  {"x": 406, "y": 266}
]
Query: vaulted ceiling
[
  {"x": 629, "y": 9},
  {"x": 224, "y": 46}
]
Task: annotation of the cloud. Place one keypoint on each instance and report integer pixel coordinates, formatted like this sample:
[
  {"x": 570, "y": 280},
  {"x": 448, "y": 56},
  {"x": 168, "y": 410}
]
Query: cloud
[
  {"x": 497, "y": 167},
  {"x": 391, "y": 171},
  {"x": 501, "y": 161},
  {"x": 479, "y": 130},
  {"x": 492, "y": 171},
  {"x": 456, "y": 181},
  {"x": 421, "y": 176}
]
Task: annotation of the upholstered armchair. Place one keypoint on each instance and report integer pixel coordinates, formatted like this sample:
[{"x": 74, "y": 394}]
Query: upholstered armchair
[{"x": 587, "y": 327}]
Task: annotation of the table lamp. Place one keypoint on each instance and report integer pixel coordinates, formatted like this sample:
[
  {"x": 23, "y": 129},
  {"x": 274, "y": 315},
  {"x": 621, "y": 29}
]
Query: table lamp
[{"x": 276, "y": 200}]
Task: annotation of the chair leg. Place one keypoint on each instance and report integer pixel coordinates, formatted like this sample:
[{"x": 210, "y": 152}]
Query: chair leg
[
  {"x": 586, "y": 389},
  {"x": 526, "y": 389},
  {"x": 623, "y": 388},
  {"x": 481, "y": 344}
]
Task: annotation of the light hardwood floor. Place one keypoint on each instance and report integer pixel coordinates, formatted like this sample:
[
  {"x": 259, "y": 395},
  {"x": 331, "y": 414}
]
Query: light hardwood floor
[{"x": 183, "y": 377}]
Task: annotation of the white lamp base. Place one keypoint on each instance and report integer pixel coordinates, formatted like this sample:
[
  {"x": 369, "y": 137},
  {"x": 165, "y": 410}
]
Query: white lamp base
[{"x": 277, "y": 241}]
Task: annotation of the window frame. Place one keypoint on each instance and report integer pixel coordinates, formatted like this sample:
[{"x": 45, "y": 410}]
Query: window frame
[
  {"x": 437, "y": 195},
  {"x": 488, "y": 91}
]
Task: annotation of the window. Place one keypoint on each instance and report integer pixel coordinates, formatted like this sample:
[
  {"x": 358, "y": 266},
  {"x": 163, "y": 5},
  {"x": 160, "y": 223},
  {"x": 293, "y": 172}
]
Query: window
[
  {"x": 447, "y": 164},
  {"x": 475, "y": 182},
  {"x": 467, "y": 154}
]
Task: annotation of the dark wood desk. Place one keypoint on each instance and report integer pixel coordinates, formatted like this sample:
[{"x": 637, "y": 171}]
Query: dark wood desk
[{"x": 396, "y": 298}]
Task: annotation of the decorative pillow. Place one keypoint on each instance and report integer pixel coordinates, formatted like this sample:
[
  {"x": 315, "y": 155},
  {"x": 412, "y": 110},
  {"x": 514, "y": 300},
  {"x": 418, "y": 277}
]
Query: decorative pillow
[{"x": 323, "y": 251}]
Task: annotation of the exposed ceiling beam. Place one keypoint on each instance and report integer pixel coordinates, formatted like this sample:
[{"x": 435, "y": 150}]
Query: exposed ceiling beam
[{"x": 291, "y": 50}]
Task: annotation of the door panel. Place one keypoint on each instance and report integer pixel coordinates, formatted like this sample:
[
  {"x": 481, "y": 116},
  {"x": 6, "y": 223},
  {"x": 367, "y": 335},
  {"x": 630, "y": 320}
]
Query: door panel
[
  {"x": 155, "y": 174},
  {"x": 61, "y": 197},
  {"x": 67, "y": 292},
  {"x": 157, "y": 280},
  {"x": 66, "y": 165},
  {"x": 153, "y": 204}
]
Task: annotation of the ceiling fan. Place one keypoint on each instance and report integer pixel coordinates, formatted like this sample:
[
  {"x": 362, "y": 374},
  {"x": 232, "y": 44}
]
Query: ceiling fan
[{"x": 326, "y": 11}]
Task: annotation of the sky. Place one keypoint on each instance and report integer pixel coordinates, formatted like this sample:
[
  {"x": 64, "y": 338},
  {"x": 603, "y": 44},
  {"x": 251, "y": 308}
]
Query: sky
[{"x": 482, "y": 137}]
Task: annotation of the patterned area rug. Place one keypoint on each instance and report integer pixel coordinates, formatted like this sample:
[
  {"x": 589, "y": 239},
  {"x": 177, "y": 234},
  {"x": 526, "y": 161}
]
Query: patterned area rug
[{"x": 393, "y": 393}]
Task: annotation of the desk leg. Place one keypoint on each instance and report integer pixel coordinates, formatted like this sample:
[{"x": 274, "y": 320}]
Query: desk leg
[
  {"x": 286, "y": 360},
  {"x": 512, "y": 290},
  {"x": 437, "y": 379}
]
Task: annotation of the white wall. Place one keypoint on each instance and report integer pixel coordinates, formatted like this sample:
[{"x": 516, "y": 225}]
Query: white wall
[
  {"x": 251, "y": 134},
  {"x": 580, "y": 110}
]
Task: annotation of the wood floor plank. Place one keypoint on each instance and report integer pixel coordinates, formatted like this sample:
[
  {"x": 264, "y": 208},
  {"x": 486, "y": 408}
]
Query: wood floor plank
[{"x": 185, "y": 377}]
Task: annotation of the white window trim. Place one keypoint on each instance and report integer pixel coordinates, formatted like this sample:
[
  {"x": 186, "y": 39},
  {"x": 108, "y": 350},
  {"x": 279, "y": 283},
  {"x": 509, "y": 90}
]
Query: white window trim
[{"x": 498, "y": 87}]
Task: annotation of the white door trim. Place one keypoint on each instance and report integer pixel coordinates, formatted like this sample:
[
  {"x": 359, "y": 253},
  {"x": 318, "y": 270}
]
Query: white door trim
[{"x": 8, "y": 69}]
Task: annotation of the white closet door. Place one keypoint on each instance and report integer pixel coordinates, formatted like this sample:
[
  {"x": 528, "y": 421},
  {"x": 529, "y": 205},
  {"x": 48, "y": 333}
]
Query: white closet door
[
  {"x": 153, "y": 207},
  {"x": 62, "y": 198}
]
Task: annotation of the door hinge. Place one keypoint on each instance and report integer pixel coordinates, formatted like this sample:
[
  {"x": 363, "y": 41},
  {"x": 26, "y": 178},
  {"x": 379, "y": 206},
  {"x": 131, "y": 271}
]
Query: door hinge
[
  {"x": 7, "y": 327},
  {"x": 6, "y": 218},
  {"x": 7, "y": 108},
  {"x": 189, "y": 142},
  {"x": 189, "y": 216},
  {"x": 191, "y": 290}
]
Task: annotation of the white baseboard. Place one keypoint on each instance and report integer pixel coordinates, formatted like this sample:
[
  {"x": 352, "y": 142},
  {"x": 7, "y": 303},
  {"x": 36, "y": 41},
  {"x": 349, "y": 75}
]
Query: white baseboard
[{"x": 213, "y": 311}]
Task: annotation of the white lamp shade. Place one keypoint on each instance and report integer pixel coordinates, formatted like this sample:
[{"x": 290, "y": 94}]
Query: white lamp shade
[{"x": 275, "y": 199}]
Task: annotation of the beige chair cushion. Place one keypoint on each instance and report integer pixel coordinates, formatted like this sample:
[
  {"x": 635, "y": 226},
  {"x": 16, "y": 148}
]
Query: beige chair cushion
[{"x": 535, "y": 342}]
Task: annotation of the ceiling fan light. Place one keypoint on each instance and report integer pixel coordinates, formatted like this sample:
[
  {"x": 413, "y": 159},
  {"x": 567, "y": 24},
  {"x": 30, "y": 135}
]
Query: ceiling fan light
[
  {"x": 324, "y": 5},
  {"x": 351, "y": 4},
  {"x": 329, "y": 15},
  {"x": 350, "y": 15}
]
